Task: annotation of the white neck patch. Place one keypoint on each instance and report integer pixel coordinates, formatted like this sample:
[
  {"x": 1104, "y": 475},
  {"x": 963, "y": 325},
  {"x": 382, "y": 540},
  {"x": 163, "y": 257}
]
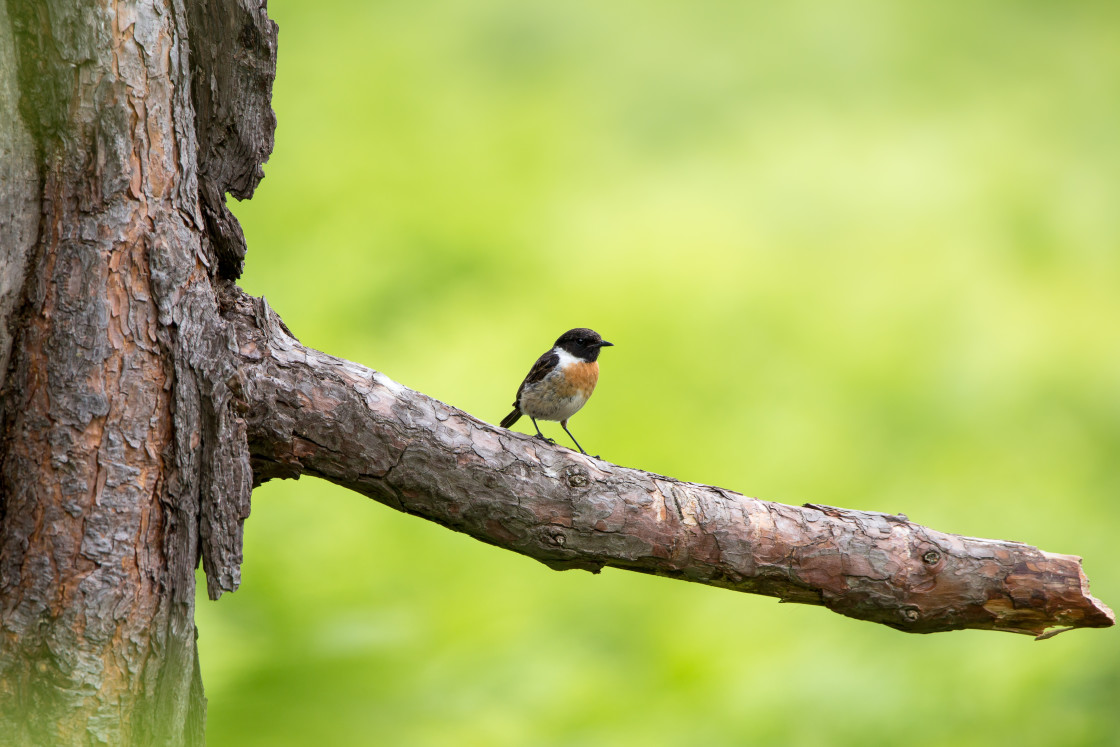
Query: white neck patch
[{"x": 566, "y": 358}]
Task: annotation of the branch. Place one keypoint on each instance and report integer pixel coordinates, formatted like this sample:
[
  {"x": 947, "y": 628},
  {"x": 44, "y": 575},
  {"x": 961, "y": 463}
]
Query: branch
[{"x": 311, "y": 413}]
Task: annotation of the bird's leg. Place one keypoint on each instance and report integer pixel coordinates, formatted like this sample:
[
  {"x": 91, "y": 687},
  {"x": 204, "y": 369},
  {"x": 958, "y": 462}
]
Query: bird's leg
[
  {"x": 540, "y": 435},
  {"x": 564, "y": 425}
]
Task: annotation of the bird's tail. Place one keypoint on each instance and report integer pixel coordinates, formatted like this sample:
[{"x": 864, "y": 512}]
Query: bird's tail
[{"x": 512, "y": 418}]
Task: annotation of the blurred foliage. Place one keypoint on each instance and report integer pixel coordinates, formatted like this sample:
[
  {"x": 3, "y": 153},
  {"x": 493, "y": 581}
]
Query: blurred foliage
[{"x": 858, "y": 253}]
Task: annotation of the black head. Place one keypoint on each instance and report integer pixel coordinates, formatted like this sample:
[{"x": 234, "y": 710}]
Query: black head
[{"x": 582, "y": 343}]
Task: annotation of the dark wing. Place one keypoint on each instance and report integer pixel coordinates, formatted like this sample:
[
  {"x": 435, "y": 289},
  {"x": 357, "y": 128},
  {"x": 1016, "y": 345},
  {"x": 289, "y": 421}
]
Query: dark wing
[{"x": 540, "y": 369}]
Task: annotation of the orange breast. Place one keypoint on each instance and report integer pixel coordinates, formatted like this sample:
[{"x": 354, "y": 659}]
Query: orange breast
[{"x": 582, "y": 377}]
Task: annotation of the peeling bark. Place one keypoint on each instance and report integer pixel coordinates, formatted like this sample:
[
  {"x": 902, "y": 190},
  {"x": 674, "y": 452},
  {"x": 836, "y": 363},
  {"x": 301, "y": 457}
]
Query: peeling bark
[
  {"x": 235, "y": 118},
  {"x": 311, "y": 413}
]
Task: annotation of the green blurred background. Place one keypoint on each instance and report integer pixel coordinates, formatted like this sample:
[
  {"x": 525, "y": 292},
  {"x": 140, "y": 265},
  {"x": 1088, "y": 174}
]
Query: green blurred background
[{"x": 857, "y": 253}]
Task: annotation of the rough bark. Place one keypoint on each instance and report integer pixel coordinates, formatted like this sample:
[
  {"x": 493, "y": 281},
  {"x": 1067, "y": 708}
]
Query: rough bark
[
  {"x": 19, "y": 191},
  {"x": 235, "y": 117},
  {"x": 122, "y": 460},
  {"x": 311, "y": 413}
]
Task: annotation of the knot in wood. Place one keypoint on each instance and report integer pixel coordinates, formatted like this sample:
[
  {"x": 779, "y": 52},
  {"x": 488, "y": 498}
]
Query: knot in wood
[
  {"x": 909, "y": 614},
  {"x": 555, "y": 536},
  {"x": 931, "y": 557},
  {"x": 576, "y": 476}
]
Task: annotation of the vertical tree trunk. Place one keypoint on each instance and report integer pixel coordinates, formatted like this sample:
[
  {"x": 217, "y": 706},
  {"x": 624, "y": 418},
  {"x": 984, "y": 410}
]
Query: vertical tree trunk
[{"x": 121, "y": 457}]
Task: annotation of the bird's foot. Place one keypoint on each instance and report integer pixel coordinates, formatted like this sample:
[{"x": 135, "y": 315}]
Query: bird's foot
[{"x": 544, "y": 438}]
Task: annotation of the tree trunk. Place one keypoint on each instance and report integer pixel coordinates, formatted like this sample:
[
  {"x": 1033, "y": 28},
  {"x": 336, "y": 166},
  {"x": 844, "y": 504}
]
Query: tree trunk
[
  {"x": 121, "y": 458},
  {"x": 142, "y": 395}
]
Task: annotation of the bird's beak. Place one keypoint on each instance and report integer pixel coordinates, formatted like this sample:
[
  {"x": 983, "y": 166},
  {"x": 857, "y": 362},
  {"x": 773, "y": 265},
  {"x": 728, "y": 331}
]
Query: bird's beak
[{"x": 605, "y": 344}]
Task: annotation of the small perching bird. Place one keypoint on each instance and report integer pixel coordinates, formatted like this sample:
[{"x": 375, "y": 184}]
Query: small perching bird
[{"x": 560, "y": 382}]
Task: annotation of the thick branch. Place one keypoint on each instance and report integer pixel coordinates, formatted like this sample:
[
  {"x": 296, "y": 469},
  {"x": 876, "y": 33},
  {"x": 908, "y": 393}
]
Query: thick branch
[{"x": 311, "y": 413}]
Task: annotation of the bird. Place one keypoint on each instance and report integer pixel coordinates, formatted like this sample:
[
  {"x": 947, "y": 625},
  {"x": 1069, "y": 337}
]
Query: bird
[{"x": 560, "y": 382}]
